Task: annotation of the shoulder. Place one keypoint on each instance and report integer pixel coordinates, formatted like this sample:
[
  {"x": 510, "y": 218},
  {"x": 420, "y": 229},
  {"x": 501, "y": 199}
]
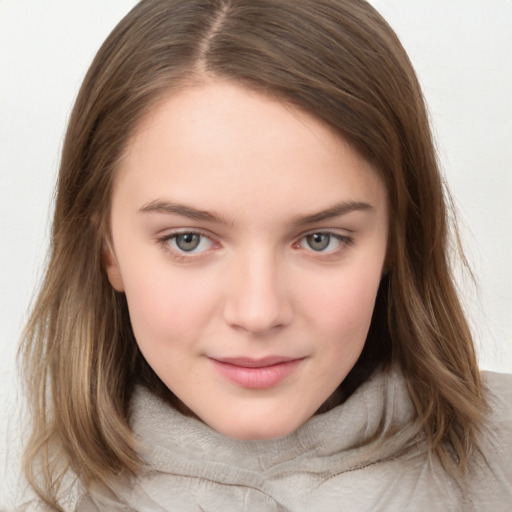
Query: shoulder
[
  {"x": 498, "y": 387},
  {"x": 491, "y": 472},
  {"x": 496, "y": 432}
]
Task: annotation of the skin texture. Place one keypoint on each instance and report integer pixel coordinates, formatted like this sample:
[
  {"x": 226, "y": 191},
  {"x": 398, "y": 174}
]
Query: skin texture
[{"x": 254, "y": 284}]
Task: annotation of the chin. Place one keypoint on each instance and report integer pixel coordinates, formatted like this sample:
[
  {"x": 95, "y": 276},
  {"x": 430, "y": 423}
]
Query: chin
[
  {"x": 256, "y": 435},
  {"x": 258, "y": 430}
]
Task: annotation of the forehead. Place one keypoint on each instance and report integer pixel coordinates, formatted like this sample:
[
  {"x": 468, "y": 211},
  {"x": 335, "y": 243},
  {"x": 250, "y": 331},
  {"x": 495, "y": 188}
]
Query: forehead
[{"x": 223, "y": 144}]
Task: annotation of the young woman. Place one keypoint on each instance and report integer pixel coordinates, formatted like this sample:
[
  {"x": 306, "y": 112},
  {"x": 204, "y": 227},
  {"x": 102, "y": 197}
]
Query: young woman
[{"x": 249, "y": 302}]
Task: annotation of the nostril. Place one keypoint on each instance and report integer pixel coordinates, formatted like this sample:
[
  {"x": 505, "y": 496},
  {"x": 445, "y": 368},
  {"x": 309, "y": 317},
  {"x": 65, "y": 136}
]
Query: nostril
[
  {"x": 257, "y": 312},
  {"x": 257, "y": 297}
]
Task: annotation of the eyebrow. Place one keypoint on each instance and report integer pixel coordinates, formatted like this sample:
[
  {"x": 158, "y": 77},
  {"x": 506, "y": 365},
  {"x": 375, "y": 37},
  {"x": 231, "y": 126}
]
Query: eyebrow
[
  {"x": 334, "y": 211},
  {"x": 159, "y": 206},
  {"x": 343, "y": 208}
]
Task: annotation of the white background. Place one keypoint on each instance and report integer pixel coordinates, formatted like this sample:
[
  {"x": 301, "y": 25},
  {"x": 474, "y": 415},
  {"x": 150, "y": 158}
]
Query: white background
[{"x": 462, "y": 51}]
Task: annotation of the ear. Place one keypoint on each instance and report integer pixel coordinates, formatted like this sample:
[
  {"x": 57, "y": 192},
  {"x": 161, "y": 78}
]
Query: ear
[{"x": 112, "y": 268}]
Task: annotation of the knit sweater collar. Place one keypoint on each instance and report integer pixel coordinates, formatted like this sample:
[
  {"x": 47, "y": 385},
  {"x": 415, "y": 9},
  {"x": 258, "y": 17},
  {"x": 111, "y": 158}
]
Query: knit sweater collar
[{"x": 362, "y": 430}]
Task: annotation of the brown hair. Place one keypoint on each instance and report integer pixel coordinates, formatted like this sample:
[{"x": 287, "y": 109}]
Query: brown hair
[{"x": 336, "y": 59}]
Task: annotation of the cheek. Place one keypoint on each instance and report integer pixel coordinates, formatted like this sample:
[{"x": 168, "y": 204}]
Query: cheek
[
  {"x": 351, "y": 295},
  {"x": 165, "y": 306},
  {"x": 343, "y": 307},
  {"x": 339, "y": 313}
]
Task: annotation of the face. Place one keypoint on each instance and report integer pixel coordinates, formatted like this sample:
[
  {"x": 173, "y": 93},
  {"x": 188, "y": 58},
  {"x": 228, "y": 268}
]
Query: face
[{"x": 249, "y": 240}]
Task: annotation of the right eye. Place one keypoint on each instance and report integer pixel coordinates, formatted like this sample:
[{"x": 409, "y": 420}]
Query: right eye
[{"x": 188, "y": 242}]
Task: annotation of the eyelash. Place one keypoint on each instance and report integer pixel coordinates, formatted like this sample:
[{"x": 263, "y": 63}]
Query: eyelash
[
  {"x": 179, "y": 254},
  {"x": 344, "y": 242}
]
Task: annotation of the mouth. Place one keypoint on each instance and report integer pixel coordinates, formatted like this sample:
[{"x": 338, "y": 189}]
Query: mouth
[{"x": 256, "y": 373}]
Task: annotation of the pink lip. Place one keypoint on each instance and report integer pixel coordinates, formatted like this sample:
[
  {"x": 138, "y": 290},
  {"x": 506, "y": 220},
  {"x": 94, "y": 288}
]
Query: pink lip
[{"x": 256, "y": 373}]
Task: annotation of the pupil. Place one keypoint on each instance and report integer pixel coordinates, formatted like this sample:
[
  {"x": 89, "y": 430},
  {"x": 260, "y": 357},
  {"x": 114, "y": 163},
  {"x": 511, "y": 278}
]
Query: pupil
[
  {"x": 318, "y": 241},
  {"x": 187, "y": 242}
]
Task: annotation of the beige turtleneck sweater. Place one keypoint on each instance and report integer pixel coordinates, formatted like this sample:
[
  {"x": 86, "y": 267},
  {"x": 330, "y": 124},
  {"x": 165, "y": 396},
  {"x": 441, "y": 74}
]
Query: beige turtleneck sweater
[{"x": 332, "y": 463}]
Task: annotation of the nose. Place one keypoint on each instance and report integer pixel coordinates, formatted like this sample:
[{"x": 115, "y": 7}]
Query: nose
[{"x": 257, "y": 299}]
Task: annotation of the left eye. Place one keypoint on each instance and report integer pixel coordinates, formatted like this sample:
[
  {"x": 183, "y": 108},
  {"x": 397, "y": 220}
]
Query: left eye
[
  {"x": 190, "y": 242},
  {"x": 321, "y": 242}
]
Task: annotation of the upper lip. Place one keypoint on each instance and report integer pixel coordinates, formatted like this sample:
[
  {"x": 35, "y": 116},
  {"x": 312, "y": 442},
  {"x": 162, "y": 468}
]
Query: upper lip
[{"x": 249, "y": 362}]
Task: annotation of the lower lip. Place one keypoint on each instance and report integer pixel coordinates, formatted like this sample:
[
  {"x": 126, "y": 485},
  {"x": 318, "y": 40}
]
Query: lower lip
[{"x": 257, "y": 378}]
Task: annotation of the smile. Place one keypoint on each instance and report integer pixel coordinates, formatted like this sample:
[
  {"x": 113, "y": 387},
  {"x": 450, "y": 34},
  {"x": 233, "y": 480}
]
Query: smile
[{"x": 256, "y": 373}]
